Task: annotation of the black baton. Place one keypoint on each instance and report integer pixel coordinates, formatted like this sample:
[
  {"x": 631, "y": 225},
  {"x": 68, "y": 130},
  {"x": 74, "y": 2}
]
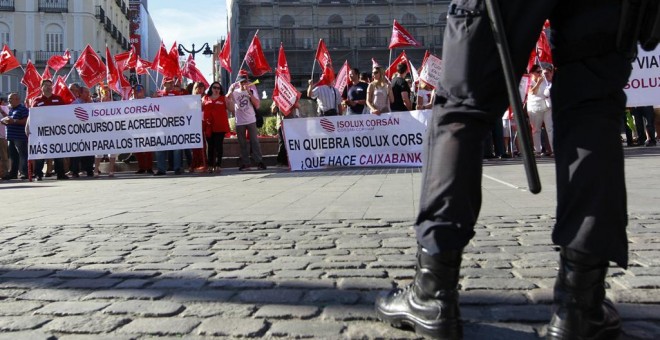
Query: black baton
[{"x": 514, "y": 97}]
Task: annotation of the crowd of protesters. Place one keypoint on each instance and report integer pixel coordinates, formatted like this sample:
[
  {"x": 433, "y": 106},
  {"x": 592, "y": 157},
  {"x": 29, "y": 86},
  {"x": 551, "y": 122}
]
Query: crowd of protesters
[{"x": 366, "y": 93}]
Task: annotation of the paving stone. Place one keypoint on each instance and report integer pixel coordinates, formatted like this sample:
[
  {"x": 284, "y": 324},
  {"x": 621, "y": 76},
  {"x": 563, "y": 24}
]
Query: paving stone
[
  {"x": 126, "y": 294},
  {"x": 133, "y": 284},
  {"x": 492, "y": 297},
  {"x": 161, "y": 326},
  {"x": 25, "y": 274},
  {"x": 305, "y": 329},
  {"x": 241, "y": 284},
  {"x": 373, "y": 273},
  {"x": 224, "y": 309},
  {"x": 85, "y": 324},
  {"x": 20, "y": 323},
  {"x": 54, "y": 294},
  {"x": 485, "y": 273},
  {"x": 307, "y": 284},
  {"x": 18, "y": 307},
  {"x": 64, "y": 308},
  {"x": 392, "y": 264},
  {"x": 28, "y": 335},
  {"x": 494, "y": 283},
  {"x": 90, "y": 283},
  {"x": 349, "y": 313},
  {"x": 179, "y": 284},
  {"x": 79, "y": 274},
  {"x": 233, "y": 327},
  {"x": 332, "y": 296},
  {"x": 202, "y": 295},
  {"x": 10, "y": 293},
  {"x": 298, "y": 274},
  {"x": 639, "y": 312},
  {"x": 336, "y": 265},
  {"x": 145, "y": 308},
  {"x": 286, "y": 312},
  {"x": 364, "y": 283},
  {"x": 290, "y": 296},
  {"x": 112, "y": 336},
  {"x": 525, "y": 313},
  {"x": 377, "y": 330},
  {"x": 640, "y": 282},
  {"x": 499, "y": 331}
]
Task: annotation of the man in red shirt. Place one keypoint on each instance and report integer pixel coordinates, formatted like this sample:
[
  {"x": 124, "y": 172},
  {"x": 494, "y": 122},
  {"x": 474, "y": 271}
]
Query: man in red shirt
[{"x": 47, "y": 98}]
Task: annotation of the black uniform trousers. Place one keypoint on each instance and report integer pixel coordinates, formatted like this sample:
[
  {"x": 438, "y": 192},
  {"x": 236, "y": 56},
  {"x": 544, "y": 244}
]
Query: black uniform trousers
[{"x": 588, "y": 102}]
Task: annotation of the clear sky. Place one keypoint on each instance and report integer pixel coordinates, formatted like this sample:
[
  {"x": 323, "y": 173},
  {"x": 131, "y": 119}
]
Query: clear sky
[{"x": 191, "y": 22}]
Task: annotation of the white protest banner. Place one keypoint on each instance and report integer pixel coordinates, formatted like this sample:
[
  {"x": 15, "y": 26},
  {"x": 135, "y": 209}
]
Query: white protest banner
[
  {"x": 643, "y": 86},
  {"x": 287, "y": 95},
  {"x": 150, "y": 124},
  {"x": 431, "y": 70},
  {"x": 393, "y": 139}
]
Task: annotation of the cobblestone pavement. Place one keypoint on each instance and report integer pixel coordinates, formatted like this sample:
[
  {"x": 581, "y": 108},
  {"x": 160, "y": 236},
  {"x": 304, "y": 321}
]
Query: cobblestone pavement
[
  {"x": 286, "y": 279},
  {"x": 288, "y": 255}
]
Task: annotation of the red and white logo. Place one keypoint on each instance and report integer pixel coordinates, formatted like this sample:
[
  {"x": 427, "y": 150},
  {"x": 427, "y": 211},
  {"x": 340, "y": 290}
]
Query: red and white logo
[
  {"x": 81, "y": 114},
  {"x": 327, "y": 125}
]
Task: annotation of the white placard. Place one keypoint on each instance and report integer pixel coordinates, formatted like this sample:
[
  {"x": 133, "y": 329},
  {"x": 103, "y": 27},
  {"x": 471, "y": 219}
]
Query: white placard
[
  {"x": 150, "y": 124},
  {"x": 393, "y": 139},
  {"x": 643, "y": 86},
  {"x": 431, "y": 70}
]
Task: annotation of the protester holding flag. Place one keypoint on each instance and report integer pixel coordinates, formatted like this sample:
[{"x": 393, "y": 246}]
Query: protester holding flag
[
  {"x": 538, "y": 109},
  {"x": 379, "y": 93},
  {"x": 328, "y": 98},
  {"x": 401, "y": 89},
  {"x": 356, "y": 95},
  {"x": 242, "y": 101},
  {"x": 215, "y": 125},
  {"x": 47, "y": 98}
]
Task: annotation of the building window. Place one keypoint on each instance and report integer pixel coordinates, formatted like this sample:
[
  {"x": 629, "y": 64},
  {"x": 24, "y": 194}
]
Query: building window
[
  {"x": 407, "y": 21},
  {"x": 336, "y": 32},
  {"x": 287, "y": 34},
  {"x": 372, "y": 32},
  {"x": 4, "y": 35},
  {"x": 54, "y": 38}
]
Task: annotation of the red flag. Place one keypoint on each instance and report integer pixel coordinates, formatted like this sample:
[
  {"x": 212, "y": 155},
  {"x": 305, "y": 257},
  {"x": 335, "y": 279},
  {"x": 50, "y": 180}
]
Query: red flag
[
  {"x": 46, "y": 74},
  {"x": 282, "y": 70},
  {"x": 90, "y": 67},
  {"x": 121, "y": 59},
  {"x": 60, "y": 89},
  {"x": 255, "y": 58},
  {"x": 286, "y": 95},
  {"x": 132, "y": 58},
  {"x": 31, "y": 79},
  {"x": 542, "y": 49},
  {"x": 173, "y": 55},
  {"x": 116, "y": 80},
  {"x": 402, "y": 58},
  {"x": 342, "y": 77},
  {"x": 323, "y": 56},
  {"x": 401, "y": 37},
  {"x": 164, "y": 64},
  {"x": 141, "y": 66},
  {"x": 191, "y": 71},
  {"x": 225, "y": 55},
  {"x": 282, "y": 66},
  {"x": 374, "y": 63},
  {"x": 7, "y": 60},
  {"x": 56, "y": 62}
]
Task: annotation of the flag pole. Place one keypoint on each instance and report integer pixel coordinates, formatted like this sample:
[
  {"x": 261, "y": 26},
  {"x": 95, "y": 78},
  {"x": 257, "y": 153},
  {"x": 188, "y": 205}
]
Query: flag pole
[
  {"x": 389, "y": 62},
  {"x": 67, "y": 75},
  {"x": 243, "y": 62}
]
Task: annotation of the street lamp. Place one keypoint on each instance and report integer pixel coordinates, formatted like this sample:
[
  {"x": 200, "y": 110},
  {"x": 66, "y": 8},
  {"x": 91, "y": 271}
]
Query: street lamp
[{"x": 193, "y": 51}]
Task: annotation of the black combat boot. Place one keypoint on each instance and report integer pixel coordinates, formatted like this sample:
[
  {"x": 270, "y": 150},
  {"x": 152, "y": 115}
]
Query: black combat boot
[
  {"x": 430, "y": 303},
  {"x": 580, "y": 309}
]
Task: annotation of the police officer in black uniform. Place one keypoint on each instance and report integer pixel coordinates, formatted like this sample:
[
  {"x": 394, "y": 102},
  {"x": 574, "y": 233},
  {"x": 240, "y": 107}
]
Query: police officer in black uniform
[{"x": 588, "y": 101}]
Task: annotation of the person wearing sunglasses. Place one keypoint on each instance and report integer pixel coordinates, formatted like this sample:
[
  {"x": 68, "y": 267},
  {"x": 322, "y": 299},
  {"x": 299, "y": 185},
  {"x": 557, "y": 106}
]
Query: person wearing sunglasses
[{"x": 216, "y": 125}]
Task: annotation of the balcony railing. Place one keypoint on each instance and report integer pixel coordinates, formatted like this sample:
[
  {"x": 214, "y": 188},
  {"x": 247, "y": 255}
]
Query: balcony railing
[
  {"x": 54, "y": 6},
  {"x": 7, "y": 5},
  {"x": 338, "y": 42},
  {"x": 119, "y": 37},
  {"x": 100, "y": 14},
  {"x": 373, "y": 42},
  {"x": 41, "y": 57},
  {"x": 114, "y": 31},
  {"x": 437, "y": 40},
  {"x": 108, "y": 25}
]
